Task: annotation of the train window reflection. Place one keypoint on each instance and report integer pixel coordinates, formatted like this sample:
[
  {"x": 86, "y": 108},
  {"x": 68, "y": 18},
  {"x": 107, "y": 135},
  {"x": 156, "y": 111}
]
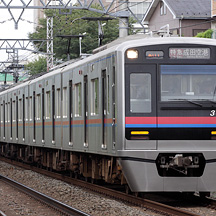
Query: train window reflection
[
  {"x": 193, "y": 82},
  {"x": 140, "y": 93}
]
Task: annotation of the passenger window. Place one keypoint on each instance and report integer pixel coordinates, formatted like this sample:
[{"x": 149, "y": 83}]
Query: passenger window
[
  {"x": 58, "y": 103},
  {"x": 38, "y": 110},
  {"x": 6, "y": 111},
  {"x": 140, "y": 93},
  {"x": 26, "y": 110},
  {"x": 2, "y": 113},
  {"x": 78, "y": 100},
  {"x": 9, "y": 111},
  {"x": 14, "y": 111},
  {"x": 30, "y": 109},
  {"x": 95, "y": 96},
  {"x": 48, "y": 105},
  {"x": 20, "y": 109},
  {"x": 65, "y": 102}
]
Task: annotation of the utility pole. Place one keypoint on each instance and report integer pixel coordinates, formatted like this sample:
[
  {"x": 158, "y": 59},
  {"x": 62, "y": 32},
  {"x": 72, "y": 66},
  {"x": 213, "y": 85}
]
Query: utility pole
[
  {"x": 49, "y": 43},
  {"x": 123, "y": 20}
]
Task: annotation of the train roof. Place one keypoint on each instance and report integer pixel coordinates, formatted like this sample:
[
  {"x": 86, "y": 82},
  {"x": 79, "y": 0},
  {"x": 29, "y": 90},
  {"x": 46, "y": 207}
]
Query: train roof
[{"x": 121, "y": 44}]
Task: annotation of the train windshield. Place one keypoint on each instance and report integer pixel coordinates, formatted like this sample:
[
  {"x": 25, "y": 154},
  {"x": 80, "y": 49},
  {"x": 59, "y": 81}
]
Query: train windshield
[{"x": 188, "y": 82}]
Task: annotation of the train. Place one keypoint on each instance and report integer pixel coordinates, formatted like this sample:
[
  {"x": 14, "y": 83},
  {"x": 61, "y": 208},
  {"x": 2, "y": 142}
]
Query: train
[{"x": 139, "y": 112}]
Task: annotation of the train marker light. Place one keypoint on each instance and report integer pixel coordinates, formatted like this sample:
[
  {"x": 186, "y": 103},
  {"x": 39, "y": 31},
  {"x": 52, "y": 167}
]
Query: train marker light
[
  {"x": 139, "y": 133},
  {"x": 132, "y": 54}
]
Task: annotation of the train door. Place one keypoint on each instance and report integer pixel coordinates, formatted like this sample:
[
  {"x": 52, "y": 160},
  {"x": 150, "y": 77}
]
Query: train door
[
  {"x": 11, "y": 119},
  {"x": 85, "y": 110},
  {"x": 113, "y": 110},
  {"x": 4, "y": 132},
  {"x": 23, "y": 116},
  {"x": 141, "y": 110}
]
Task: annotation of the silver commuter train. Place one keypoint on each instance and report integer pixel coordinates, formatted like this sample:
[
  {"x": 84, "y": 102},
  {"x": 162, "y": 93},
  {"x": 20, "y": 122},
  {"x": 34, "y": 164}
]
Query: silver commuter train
[{"x": 140, "y": 112}]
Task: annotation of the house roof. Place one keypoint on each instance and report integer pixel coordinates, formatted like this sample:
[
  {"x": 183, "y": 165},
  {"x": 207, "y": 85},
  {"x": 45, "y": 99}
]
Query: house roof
[{"x": 183, "y": 9}]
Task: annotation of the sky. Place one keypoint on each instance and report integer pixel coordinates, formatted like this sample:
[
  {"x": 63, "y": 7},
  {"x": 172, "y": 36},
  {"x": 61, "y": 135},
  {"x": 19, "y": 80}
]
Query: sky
[{"x": 8, "y": 31}]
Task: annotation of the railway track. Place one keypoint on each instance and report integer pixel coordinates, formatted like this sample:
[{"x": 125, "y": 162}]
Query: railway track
[
  {"x": 149, "y": 204},
  {"x": 2, "y": 214},
  {"x": 55, "y": 204}
]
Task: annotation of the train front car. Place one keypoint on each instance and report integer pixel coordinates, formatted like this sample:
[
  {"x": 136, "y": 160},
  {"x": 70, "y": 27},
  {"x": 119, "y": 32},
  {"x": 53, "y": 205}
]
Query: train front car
[{"x": 169, "y": 114}]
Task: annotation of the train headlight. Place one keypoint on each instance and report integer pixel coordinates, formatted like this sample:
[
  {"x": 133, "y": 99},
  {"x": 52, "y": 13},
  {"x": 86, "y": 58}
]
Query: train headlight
[
  {"x": 132, "y": 54},
  {"x": 213, "y": 133}
]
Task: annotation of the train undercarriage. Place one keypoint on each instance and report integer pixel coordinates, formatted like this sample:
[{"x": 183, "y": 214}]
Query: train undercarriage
[{"x": 92, "y": 167}]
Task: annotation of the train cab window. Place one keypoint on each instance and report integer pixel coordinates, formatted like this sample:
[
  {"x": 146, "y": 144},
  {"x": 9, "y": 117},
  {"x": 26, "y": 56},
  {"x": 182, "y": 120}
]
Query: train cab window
[
  {"x": 95, "y": 96},
  {"x": 188, "y": 82},
  {"x": 140, "y": 93},
  {"x": 65, "y": 103},
  {"x": 38, "y": 109},
  {"x": 78, "y": 100},
  {"x": 58, "y": 103},
  {"x": 48, "y": 105}
]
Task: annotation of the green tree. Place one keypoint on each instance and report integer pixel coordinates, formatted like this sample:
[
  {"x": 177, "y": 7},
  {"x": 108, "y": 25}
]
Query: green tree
[
  {"x": 74, "y": 24},
  {"x": 37, "y": 66},
  {"x": 206, "y": 34}
]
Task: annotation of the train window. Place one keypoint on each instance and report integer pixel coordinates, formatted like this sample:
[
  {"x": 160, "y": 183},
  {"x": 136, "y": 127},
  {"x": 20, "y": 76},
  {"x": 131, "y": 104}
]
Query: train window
[
  {"x": 30, "y": 109},
  {"x": 140, "y": 92},
  {"x": 2, "y": 113},
  {"x": 108, "y": 97},
  {"x": 65, "y": 102},
  {"x": 26, "y": 110},
  {"x": 78, "y": 100},
  {"x": 14, "y": 111},
  {"x": 9, "y": 111},
  {"x": 58, "y": 103},
  {"x": 38, "y": 109},
  {"x": 6, "y": 111},
  {"x": 95, "y": 96},
  {"x": 48, "y": 105},
  {"x": 188, "y": 82},
  {"x": 20, "y": 110}
]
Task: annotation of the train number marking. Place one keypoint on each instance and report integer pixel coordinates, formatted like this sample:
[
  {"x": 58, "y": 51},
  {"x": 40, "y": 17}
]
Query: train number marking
[{"x": 212, "y": 113}]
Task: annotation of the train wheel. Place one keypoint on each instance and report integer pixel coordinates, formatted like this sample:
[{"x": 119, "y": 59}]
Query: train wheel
[{"x": 127, "y": 189}]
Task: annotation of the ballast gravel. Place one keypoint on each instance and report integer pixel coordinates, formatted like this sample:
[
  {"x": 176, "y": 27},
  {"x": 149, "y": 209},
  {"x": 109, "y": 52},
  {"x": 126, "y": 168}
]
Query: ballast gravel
[{"x": 74, "y": 196}]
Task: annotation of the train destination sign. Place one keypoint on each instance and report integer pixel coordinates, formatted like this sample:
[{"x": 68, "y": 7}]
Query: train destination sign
[
  {"x": 154, "y": 54},
  {"x": 189, "y": 53}
]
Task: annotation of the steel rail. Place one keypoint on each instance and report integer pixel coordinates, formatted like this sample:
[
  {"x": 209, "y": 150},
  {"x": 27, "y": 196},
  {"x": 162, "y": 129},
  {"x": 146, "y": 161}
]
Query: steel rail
[
  {"x": 61, "y": 207},
  {"x": 2, "y": 213},
  {"x": 149, "y": 204}
]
